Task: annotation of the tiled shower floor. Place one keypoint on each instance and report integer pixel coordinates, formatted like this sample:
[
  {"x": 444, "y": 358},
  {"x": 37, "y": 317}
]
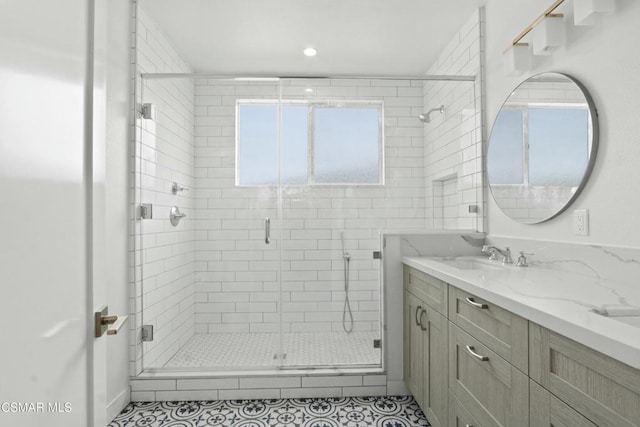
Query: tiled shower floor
[{"x": 260, "y": 350}]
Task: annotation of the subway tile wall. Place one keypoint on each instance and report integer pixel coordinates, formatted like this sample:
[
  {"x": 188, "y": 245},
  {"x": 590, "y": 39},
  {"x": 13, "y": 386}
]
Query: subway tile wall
[
  {"x": 237, "y": 286},
  {"x": 453, "y": 140},
  {"x": 213, "y": 272},
  {"x": 164, "y": 255}
]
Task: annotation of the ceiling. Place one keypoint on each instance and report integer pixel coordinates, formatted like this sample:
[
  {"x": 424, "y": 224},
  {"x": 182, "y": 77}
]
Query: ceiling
[{"x": 362, "y": 37}]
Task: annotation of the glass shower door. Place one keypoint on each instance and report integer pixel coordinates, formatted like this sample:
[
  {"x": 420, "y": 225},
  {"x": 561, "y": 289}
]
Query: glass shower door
[{"x": 210, "y": 281}]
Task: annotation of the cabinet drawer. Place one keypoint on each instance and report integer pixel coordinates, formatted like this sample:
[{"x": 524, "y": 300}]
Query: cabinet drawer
[
  {"x": 605, "y": 391},
  {"x": 548, "y": 411},
  {"x": 430, "y": 290},
  {"x": 493, "y": 391},
  {"x": 458, "y": 414},
  {"x": 502, "y": 331}
]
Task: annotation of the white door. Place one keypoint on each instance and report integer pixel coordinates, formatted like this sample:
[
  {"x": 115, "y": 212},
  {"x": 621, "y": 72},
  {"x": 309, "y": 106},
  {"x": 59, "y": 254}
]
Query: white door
[{"x": 51, "y": 367}]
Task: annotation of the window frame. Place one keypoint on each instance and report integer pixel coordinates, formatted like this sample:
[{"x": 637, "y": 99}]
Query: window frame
[
  {"x": 311, "y": 105},
  {"x": 524, "y": 110}
]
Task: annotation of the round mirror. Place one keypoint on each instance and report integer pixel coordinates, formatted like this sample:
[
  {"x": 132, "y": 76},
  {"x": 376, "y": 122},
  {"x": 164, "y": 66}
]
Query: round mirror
[{"x": 542, "y": 147}]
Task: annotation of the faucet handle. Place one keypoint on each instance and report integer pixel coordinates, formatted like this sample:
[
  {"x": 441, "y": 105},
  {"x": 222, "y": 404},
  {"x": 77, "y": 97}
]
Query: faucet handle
[
  {"x": 507, "y": 256},
  {"x": 522, "y": 259}
]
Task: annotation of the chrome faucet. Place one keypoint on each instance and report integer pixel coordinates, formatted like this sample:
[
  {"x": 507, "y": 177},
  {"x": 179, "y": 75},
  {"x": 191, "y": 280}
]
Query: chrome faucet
[{"x": 493, "y": 253}]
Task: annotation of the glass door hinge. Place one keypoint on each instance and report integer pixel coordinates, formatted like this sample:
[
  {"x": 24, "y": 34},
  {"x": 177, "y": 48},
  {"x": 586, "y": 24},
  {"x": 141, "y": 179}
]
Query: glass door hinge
[
  {"x": 145, "y": 211},
  {"x": 147, "y": 333}
]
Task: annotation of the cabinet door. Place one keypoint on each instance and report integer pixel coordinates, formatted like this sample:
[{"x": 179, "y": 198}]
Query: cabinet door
[
  {"x": 413, "y": 308},
  {"x": 548, "y": 411},
  {"x": 434, "y": 367},
  {"x": 604, "y": 390},
  {"x": 493, "y": 391}
]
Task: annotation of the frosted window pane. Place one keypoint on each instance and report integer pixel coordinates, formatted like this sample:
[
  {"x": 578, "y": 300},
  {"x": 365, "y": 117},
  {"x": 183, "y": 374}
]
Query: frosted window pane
[
  {"x": 558, "y": 147},
  {"x": 257, "y": 144},
  {"x": 504, "y": 162},
  {"x": 294, "y": 144},
  {"x": 346, "y": 145}
]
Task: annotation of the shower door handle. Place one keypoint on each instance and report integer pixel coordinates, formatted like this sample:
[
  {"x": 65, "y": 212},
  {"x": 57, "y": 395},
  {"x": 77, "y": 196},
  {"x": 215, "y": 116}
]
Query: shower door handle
[{"x": 267, "y": 230}]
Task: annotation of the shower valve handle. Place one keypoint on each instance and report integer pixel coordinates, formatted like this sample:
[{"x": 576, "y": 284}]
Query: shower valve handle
[{"x": 267, "y": 230}]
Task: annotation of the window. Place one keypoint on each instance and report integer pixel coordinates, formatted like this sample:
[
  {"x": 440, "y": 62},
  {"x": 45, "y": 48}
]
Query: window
[
  {"x": 321, "y": 143},
  {"x": 548, "y": 139}
]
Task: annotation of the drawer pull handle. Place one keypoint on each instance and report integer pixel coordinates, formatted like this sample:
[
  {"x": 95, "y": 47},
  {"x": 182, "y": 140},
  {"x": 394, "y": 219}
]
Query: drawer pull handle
[
  {"x": 471, "y": 302},
  {"x": 421, "y": 325},
  {"x": 476, "y": 355},
  {"x": 416, "y": 316}
]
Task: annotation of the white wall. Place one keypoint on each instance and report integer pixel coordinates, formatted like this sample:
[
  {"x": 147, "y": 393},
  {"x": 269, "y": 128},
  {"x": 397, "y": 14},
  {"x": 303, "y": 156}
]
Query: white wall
[
  {"x": 453, "y": 140},
  {"x": 604, "y": 58},
  {"x": 117, "y": 203}
]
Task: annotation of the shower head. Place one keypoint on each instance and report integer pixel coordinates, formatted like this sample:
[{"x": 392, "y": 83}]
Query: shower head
[{"x": 426, "y": 117}]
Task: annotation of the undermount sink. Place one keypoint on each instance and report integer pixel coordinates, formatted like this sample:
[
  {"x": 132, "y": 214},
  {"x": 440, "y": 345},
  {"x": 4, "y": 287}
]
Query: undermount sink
[{"x": 471, "y": 263}]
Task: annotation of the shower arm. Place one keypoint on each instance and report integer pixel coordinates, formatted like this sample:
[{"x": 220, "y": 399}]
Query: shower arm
[{"x": 426, "y": 117}]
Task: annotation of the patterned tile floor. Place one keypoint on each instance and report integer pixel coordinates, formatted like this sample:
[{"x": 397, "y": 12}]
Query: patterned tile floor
[
  {"x": 388, "y": 411},
  {"x": 258, "y": 350}
]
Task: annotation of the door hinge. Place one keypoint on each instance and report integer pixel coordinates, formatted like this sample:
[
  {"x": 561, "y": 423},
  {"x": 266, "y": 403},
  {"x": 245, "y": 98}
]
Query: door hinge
[
  {"x": 147, "y": 333},
  {"x": 145, "y": 211},
  {"x": 377, "y": 343}
]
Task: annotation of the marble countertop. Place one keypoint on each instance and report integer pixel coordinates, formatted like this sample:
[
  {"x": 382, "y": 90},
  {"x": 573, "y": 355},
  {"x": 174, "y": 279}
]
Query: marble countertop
[{"x": 562, "y": 302}]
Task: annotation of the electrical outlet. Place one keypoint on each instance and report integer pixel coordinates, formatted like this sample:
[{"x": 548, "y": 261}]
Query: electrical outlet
[{"x": 581, "y": 222}]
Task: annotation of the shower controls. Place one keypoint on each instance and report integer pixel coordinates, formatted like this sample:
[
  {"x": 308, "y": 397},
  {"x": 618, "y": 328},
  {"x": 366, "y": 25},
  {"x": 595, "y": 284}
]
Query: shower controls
[
  {"x": 175, "y": 216},
  {"x": 267, "y": 230},
  {"x": 176, "y": 188},
  {"x": 145, "y": 211}
]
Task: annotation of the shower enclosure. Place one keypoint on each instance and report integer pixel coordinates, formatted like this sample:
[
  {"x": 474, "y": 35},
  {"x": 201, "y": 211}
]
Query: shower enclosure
[{"x": 283, "y": 187}]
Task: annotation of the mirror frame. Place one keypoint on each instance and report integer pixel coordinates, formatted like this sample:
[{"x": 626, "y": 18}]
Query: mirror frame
[{"x": 595, "y": 140}]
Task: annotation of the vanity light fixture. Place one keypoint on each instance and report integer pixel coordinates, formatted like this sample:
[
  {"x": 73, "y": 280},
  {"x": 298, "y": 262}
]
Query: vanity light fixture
[
  {"x": 310, "y": 51},
  {"x": 584, "y": 11},
  {"x": 548, "y": 34},
  {"x": 517, "y": 59}
]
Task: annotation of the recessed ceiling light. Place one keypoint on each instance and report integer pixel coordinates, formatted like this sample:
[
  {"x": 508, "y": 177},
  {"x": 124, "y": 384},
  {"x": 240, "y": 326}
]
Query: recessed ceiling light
[{"x": 310, "y": 51}]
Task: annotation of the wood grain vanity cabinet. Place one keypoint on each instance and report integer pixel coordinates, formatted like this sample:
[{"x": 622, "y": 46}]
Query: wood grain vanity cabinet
[
  {"x": 488, "y": 360},
  {"x": 502, "y": 331},
  {"x": 603, "y": 390},
  {"x": 425, "y": 344},
  {"x": 504, "y": 370},
  {"x": 493, "y": 391},
  {"x": 546, "y": 410}
]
